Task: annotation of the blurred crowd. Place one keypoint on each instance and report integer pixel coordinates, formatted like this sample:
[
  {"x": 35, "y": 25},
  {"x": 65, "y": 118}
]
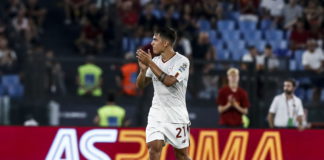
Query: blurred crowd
[{"x": 265, "y": 32}]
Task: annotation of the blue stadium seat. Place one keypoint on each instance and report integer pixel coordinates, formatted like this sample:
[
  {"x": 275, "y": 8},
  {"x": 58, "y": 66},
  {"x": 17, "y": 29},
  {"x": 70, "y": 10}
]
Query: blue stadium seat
[
  {"x": 16, "y": 91},
  {"x": 265, "y": 24},
  {"x": 222, "y": 54},
  {"x": 247, "y": 26},
  {"x": 233, "y": 15},
  {"x": 8, "y": 80},
  {"x": 212, "y": 36},
  {"x": 292, "y": 65},
  {"x": 204, "y": 25},
  {"x": 225, "y": 25},
  {"x": 219, "y": 44},
  {"x": 283, "y": 44},
  {"x": 146, "y": 40},
  {"x": 252, "y": 35},
  {"x": 236, "y": 45},
  {"x": 231, "y": 36},
  {"x": 260, "y": 45},
  {"x": 273, "y": 35},
  {"x": 238, "y": 54}
]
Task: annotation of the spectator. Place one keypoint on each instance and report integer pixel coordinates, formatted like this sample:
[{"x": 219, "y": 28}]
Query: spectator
[
  {"x": 96, "y": 16},
  {"x": 275, "y": 8},
  {"x": 187, "y": 22},
  {"x": 129, "y": 72},
  {"x": 129, "y": 15},
  {"x": 55, "y": 75},
  {"x": 111, "y": 115},
  {"x": 148, "y": 21},
  {"x": 202, "y": 49},
  {"x": 74, "y": 9},
  {"x": 8, "y": 58},
  {"x": 13, "y": 7},
  {"x": 313, "y": 60},
  {"x": 36, "y": 13},
  {"x": 23, "y": 26},
  {"x": 291, "y": 13},
  {"x": 89, "y": 79},
  {"x": 299, "y": 36},
  {"x": 169, "y": 20},
  {"x": 268, "y": 60},
  {"x": 252, "y": 56},
  {"x": 91, "y": 39},
  {"x": 286, "y": 110},
  {"x": 30, "y": 121},
  {"x": 232, "y": 101},
  {"x": 249, "y": 10},
  {"x": 314, "y": 13}
]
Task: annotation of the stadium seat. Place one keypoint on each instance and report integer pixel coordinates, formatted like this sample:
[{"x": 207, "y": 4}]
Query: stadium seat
[
  {"x": 260, "y": 45},
  {"x": 283, "y": 44},
  {"x": 273, "y": 35},
  {"x": 218, "y": 44},
  {"x": 265, "y": 24},
  {"x": 8, "y": 80},
  {"x": 16, "y": 91},
  {"x": 238, "y": 54},
  {"x": 233, "y": 15},
  {"x": 252, "y": 35},
  {"x": 298, "y": 59},
  {"x": 231, "y": 36},
  {"x": 222, "y": 54},
  {"x": 204, "y": 25},
  {"x": 225, "y": 25},
  {"x": 146, "y": 40},
  {"x": 212, "y": 36},
  {"x": 247, "y": 26},
  {"x": 292, "y": 65},
  {"x": 236, "y": 45}
]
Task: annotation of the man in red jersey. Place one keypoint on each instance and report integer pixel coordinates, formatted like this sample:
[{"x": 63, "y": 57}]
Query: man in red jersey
[{"x": 232, "y": 101}]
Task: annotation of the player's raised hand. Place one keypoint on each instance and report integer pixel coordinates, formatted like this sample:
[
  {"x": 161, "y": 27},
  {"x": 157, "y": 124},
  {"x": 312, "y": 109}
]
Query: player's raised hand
[{"x": 143, "y": 57}]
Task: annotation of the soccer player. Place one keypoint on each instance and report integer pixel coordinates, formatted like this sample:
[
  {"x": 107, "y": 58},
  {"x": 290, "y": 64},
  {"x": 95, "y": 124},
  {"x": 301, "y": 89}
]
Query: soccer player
[{"x": 168, "y": 119}]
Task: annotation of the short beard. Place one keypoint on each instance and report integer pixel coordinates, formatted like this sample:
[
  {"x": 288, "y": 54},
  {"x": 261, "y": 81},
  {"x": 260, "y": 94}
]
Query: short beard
[{"x": 288, "y": 92}]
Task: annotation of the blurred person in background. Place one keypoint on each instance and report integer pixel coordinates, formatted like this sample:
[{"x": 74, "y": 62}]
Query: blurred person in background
[
  {"x": 91, "y": 39},
  {"x": 89, "y": 79},
  {"x": 291, "y": 13},
  {"x": 233, "y": 101},
  {"x": 249, "y": 10},
  {"x": 313, "y": 60},
  {"x": 268, "y": 60},
  {"x": 252, "y": 56},
  {"x": 8, "y": 58},
  {"x": 299, "y": 36},
  {"x": 36, "y": 13},
  {"x": 129, "y": 72},
  {"x": 74, "y": 10},
  {"x": 286, "y": 110},
  {"x": 111, "y": 114},
  {"x": 23, "y": 26},
  {"x": 314, "y": 13}
]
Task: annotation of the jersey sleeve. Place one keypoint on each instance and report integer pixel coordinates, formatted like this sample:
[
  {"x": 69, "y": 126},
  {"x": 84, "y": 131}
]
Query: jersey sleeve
[
  {"x": 245, "y": 100},
  {"x": 181, "y": 70},
  {"x": 274, "y": 105},
  {"x": 221, "y": 98}
]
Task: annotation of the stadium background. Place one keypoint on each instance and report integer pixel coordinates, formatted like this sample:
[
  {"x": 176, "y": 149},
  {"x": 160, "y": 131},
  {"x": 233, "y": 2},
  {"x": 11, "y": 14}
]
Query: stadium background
[{"x": 39, "y": 78}]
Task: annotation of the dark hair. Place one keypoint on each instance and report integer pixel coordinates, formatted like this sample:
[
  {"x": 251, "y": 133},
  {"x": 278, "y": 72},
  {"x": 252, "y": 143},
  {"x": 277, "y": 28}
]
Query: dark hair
[
  {"x": 268, "y": 46},
  {"x": 292, "y": 81},
  {"x": 167, "y": 33},
  {"x": 111, "y": 97}
]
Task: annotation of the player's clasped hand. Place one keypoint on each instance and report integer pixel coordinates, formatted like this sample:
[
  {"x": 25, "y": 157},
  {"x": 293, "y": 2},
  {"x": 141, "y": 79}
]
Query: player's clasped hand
[{"x": 144, "y": 57}]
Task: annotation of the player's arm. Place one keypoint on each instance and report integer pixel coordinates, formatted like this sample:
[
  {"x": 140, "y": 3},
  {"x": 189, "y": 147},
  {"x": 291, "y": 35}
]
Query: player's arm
[
  {"x": 240, "y": 108},
  {"x": 271, "y": 119},
  {"x": 142, "y": 81},
  {"x": 166, "y": 79},
  {"x": 145, "y": 58},
  {"x": 223, "y": 108}
]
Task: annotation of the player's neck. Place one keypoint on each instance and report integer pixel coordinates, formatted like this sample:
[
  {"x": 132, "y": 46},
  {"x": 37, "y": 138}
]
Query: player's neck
[
  {"x": 289, "y": 96},
  {"x": 167, "y": 54},
  {"x": 233, "y": 87}
]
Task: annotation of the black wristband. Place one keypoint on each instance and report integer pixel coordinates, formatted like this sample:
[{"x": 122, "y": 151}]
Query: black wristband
[{"x": 162, "y": 77}]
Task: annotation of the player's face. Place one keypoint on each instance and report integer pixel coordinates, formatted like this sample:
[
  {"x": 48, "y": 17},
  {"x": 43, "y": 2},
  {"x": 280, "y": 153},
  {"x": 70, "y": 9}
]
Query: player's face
[
  {"x": 233, "y": 78},
  {"x": 158, "y": 44},
  {"x": 288, "y": 87}
]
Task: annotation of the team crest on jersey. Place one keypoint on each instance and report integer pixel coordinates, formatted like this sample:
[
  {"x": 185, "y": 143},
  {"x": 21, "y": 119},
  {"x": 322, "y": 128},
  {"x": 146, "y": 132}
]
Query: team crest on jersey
[{"x": 183, "y": 67}]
